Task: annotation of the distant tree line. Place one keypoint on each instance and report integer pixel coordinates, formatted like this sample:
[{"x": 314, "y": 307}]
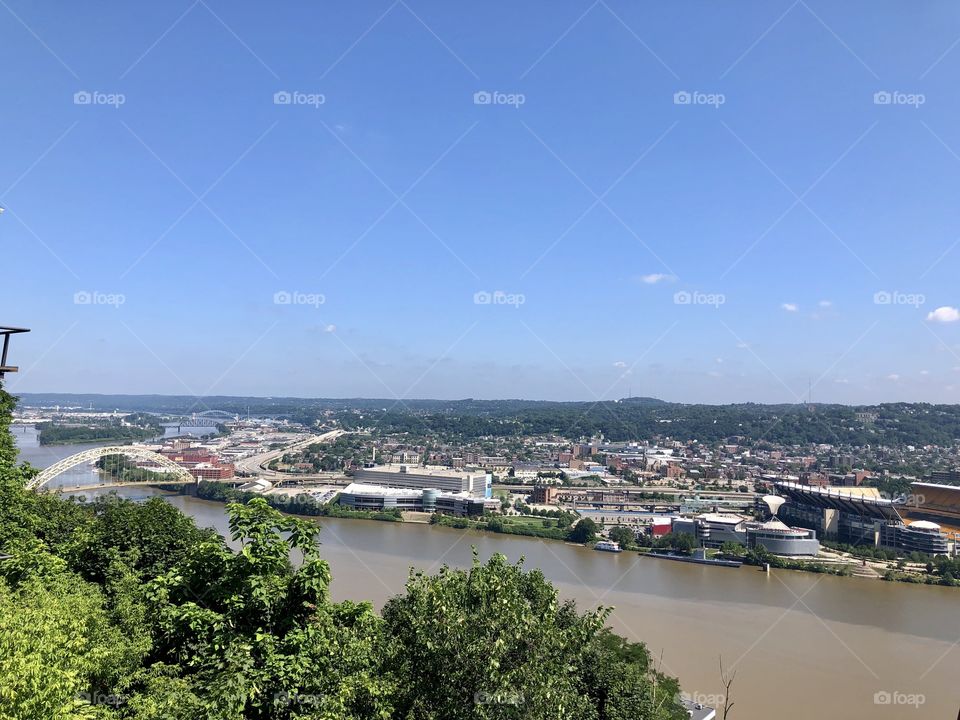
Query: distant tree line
[{"x": 133, "y": 427}]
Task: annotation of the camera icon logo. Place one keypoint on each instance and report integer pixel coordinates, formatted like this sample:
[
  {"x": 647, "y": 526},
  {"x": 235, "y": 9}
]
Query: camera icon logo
[
  {"x": 682, "y": 297},
  {"x": 882, "y": 697},
  {"x": 282, "y": 97},
  {"x": 682, "y": 97},
  {"x": 882, "y": 97},
  {"x": 882, "y": 297},
  {"x": 482, "y": 97},
  {"x": 482, "y": 297},
  {"x": 82, "y": 297},
  {"x": 82, "y": 97},
  {"x": 282, "y": 297}
]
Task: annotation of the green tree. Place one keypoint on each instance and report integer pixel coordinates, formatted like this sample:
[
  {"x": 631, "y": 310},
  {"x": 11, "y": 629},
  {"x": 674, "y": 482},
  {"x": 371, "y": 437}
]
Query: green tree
[
  {"x": 257, "y": 639},
  {"x": 733, "y": 549},
  {"x": 584, "y": 531},
  {"x": 623, "y": 535},
  {"x": 494, "y": 641},
  {"x": 61, "y": 656}
]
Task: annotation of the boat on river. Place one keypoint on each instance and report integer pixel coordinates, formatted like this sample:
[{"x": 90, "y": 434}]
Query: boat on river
[{"x": 608, "y": 546}]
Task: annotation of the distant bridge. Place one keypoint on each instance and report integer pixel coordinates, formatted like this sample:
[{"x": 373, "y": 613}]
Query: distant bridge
[
  {"x": 177, "y": 473},
  {"x": 191, "y": 422},
  {"x": 207, "y": 418}
]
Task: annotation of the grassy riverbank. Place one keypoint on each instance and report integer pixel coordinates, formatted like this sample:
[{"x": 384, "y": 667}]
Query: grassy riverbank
[
  {"x": 301, "y": 504},
  {"x": 507, "y": 525}
]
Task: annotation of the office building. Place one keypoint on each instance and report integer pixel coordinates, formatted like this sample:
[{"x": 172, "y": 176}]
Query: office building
[
  {"x": 361, "y": 496},
  {"x": 479, "y": 484}
]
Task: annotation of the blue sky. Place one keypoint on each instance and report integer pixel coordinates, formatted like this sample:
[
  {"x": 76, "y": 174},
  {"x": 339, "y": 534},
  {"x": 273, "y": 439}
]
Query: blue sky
[{"x": 699, "y": 201}]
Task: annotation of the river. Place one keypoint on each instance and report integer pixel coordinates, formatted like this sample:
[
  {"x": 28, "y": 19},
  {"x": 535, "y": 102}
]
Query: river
[{"x": 803, "y": 645}]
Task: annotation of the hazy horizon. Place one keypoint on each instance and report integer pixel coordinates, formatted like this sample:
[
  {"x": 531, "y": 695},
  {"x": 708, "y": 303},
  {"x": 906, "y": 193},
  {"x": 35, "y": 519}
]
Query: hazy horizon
[{"x": 389, "y": 400}]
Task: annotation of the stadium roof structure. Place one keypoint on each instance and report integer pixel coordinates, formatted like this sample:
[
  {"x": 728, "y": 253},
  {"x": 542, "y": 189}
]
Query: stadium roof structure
[
  {"x": 939, "y": 501},
  {"x": 843, "y": 500}
]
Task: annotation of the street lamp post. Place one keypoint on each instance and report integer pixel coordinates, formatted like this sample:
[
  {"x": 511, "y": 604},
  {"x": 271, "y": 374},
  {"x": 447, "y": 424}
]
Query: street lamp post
[{"x": 6, "y": 332}]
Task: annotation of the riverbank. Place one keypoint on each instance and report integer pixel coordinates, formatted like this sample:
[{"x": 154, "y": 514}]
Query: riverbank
[
  {"x": 546, "y": 529},
  {"x": 300, "y": 504}
]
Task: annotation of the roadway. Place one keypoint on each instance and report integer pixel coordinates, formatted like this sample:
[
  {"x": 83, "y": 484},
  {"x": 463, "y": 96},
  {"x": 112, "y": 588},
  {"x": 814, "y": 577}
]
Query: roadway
[
  {"x": 628, "y": 491},
  {"x": 107, "y": 485},
  {"x": 257, "y": 464}
]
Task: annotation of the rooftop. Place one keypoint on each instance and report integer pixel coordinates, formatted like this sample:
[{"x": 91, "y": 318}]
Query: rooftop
[
  {"x": 378, "y": 490},
  {"x": 418, "y": 470}
]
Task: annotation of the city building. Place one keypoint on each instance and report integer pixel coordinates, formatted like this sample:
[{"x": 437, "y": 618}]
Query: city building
[
  {"x": 479, "y": 484},
  {"x": 948, "y": 477},
  {"x": 919, "y": 536},
  {"x": 361, "y": 496},
  {"x": 211, "y": 471},
  {"x": 714, "y": 529},
  {"x": 408, "y": 457},
  {"x": 544, "y": 494}
]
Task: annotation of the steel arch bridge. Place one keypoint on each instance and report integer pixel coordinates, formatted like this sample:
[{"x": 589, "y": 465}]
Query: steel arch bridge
[
  {"x": 207, "y": 418},
  {"x": 217, "y": 413},
  {"x": 178, "y": 474}
]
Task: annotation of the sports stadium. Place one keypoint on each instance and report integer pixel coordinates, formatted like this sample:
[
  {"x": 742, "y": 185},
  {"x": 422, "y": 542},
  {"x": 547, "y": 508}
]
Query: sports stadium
[{"x": 859, "y": 516}]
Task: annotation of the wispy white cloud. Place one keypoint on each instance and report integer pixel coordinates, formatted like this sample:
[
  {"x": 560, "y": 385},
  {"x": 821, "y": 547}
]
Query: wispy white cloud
[
  {"x": 619, "y": 364},
  {"x": 790, "y": 307},
  {"x": 654, "y": 278}
]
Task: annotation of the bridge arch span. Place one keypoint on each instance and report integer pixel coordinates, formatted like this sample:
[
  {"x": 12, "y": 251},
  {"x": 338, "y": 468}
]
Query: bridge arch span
[
  {"x": 217, "y": 414},
  {"x": 177, "y": 473}
]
